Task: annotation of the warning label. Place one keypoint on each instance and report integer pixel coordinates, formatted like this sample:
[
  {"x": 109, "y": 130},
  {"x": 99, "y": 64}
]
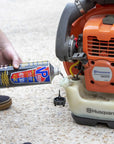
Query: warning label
[{"x": 102, "y": 73}]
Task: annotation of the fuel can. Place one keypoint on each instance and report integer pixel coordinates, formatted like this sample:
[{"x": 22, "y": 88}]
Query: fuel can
[{"x": 31, "y": 73}]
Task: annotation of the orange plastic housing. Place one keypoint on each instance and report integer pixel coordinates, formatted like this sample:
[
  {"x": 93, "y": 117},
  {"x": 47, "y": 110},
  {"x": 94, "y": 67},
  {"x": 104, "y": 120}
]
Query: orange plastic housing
[
  {"x": 98, "y": 44},
  {"x": 78, "y": 26}
]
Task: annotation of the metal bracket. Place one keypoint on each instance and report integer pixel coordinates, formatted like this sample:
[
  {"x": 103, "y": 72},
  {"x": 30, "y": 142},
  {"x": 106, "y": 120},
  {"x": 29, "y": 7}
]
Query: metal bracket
[{"x": 80, "y": 56}]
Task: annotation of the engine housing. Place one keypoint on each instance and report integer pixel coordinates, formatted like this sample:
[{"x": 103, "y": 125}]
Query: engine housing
[{"x": 98, "y": 44}]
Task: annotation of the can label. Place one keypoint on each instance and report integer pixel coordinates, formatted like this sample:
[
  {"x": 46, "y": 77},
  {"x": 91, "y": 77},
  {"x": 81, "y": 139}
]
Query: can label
[{"x": 37, "y": 75}]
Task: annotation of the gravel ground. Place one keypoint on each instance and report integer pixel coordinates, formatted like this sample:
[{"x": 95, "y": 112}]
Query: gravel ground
[{"x": 31, "y": 26}]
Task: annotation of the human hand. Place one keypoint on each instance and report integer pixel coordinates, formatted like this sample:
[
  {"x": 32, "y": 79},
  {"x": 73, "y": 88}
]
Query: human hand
[{"x": 8, "y": 54}]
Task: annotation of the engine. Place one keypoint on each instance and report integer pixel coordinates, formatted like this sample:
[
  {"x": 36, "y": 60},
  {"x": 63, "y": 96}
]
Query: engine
[
  {"x": 98, "y": 45},
  {"x": 85, "y": 42}
]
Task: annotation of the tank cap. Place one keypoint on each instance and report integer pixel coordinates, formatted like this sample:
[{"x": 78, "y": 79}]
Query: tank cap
[{"x": 59, "y": 100}]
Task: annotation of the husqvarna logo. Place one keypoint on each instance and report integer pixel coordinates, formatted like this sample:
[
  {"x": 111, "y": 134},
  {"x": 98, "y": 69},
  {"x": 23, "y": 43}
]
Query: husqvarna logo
[
  {"x": 101, "y": 72},
  {"x": 90, "y": 111}
]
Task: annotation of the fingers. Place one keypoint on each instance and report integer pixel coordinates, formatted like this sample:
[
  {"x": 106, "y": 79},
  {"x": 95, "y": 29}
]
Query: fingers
[
  {"x": 16, "y": 61},
  {"x": 8, "y": 53},
  {"x": 11, "y": 55}
]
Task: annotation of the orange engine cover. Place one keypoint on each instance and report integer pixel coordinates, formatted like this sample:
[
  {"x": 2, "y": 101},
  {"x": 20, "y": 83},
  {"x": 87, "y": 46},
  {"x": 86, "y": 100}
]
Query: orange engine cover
[{"x": 98, "y": 44}]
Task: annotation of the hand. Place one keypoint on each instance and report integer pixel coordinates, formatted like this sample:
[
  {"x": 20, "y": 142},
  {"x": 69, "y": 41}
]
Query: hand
[{"x": 7, "y": 53}]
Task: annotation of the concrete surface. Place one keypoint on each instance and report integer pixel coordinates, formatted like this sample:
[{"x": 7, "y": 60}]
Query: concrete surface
[{"x": 31, "y": 26}]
